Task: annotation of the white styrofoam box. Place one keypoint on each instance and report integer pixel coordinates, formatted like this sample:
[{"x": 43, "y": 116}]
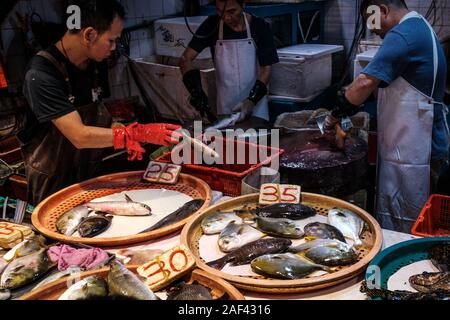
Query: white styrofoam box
[
  {"x": 362, "y": 60},
  {"x": 172, "y": 36},
  {"x": 164, "y": 86},
  {"x": 304, "y": 71}
]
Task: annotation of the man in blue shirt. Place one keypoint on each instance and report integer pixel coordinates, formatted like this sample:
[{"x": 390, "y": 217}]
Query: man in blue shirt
[{"x": 413, "y": 138}]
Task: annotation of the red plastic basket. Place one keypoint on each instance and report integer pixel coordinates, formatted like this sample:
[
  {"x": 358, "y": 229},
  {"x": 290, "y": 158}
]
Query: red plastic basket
[
  {"x": 434, "y": 220},
  {"x": 227, "y": 178}
]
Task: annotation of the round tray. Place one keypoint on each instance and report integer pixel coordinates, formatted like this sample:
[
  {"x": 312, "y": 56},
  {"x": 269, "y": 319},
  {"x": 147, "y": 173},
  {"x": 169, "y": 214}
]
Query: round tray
[
  {"x": 54, "y": 290},
  {"x": 192, "y": 232},
  {"x": 48, "y": 211},
  {"x": 392, "y": 259}
]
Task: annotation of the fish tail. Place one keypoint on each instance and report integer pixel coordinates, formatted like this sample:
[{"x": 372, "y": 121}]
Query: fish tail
[{"x": 218, "y": 264}]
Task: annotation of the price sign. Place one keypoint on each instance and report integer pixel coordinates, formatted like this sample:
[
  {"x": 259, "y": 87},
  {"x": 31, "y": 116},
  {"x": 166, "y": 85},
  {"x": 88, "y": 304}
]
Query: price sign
[
  {"x": 11, "y": 233},
  {"x": 166, "y": 173},
  {"x": 272, "y": 193},
  {"x": 169, "y": 266}
]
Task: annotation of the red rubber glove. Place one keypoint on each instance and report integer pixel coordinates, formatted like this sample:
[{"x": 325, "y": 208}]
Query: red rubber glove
[{"x": 130, "y": 136}]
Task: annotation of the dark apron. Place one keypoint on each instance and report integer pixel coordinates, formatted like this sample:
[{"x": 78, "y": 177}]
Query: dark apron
[{"x": 51, "y": 160}]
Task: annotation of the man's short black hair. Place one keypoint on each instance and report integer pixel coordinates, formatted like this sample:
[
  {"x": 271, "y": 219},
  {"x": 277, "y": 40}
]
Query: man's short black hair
[
  {"x": 394, "y": 3},
  {"x": 241, "y": 2},
  {"x": 98, "y": 14}
]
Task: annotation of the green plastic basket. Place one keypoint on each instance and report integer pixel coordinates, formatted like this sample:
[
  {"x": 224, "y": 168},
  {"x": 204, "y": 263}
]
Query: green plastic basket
[{"x": 392, "y": 259}]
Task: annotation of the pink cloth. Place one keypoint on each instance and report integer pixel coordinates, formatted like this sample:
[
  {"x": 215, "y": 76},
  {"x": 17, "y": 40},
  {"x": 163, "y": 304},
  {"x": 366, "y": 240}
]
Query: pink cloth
[{"x": 85, "y": 259}]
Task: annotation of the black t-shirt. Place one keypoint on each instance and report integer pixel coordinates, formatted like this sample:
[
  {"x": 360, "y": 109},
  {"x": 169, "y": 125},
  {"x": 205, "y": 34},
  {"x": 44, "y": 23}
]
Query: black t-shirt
[
  {"x": 47, "y": 93},
  {"x": 261, "y": 32}
]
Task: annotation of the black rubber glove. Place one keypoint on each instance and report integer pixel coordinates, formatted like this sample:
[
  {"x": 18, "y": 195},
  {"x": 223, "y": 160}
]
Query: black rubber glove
[
  {"x": 258, "y": 92},
  {"x": 344, "y": 108},
  {"x": 199, "y": 100}
]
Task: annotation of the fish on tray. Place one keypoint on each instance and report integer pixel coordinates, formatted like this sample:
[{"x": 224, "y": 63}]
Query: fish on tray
[
  {"x": 429, "y": 282},
  {"x": 68, "y": 223},
  {"x": 285, "y": 266},
  {"x": 121, "y": 208},
  {"x": 237, "y": 235},
  {"x": 284, "y": 228},
  {"x": 178, "y": 215},
  {"x": 216, "y": 222},
  {"x": 320, "y": 230},
  {"x": 94, "y": 225},
  {"x": 285, "y": 211},
  {"x": 250, "y": 251},
  {"x": 26, "y": 247},
  {"x": 186, "y": 292},
  {"x": 350, "y": 224},
  {"x": 440, "y": 256},
  {"x": 93, "y": 287},
  {"x": 384, "y": 294}
]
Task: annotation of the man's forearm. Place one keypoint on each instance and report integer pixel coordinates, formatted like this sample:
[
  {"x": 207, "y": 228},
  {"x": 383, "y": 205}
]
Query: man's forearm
[
  {"x": 264, "y": 74},
  {"x": 94, "y": 137},
  {"x": 361, "y": 89}
]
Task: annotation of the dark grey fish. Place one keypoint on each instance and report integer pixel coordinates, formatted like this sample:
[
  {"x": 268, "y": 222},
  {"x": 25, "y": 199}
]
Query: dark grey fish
[
  {"x": 429, "y": 282},
  {"x": 440, "y": 256},
  {"x": 247, "y": 253},
  {"x": 93, "y": 226},
  {"x": 180, "y": 214},
  {"x": 320, "y": 230},
  {"x": 185, "y": 292},
  {"x": 285, "y": 211},
  {"x": 384, "y": 294}
]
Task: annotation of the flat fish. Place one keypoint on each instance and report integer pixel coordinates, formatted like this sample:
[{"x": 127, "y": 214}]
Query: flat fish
[
  {"x": 180, "y": 214},
  {"x": 320, "y": 230},
  {"x": 399, "y": 295},
  {"x": 26, "y": 247},
  {"x": 248, "y": 252},
  {"x": 93, "y": 226},
  {"x": 92, "y": 287},
  {"x": 216, "y": 222},
  {"x": 237, "y": 235},
  {"x": 121, "y": 208},
  {"x": 284, "y": 228},
  {"x": 285, "y": 266},
  {"x": 68, "y": 223},
  {"x": 332, "y": 243},
  {"x": 285, "y": 211},
  {"x": 189, "y": 292},
  {"x": 428, "y": 282},
  {"x": 225, "y": 123},
  {"x": 331, "y": 257},
  {"x": 348, "y": 223}
]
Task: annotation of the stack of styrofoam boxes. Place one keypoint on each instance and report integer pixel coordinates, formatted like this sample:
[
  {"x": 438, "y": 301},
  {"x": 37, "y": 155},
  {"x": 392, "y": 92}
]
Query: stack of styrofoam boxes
[{"x": 303, "y": 73}]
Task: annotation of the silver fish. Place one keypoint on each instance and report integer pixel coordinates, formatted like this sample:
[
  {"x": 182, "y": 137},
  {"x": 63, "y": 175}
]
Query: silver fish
[
  {"x": 348, "y": 223},
  {"x": 332, "y": 243},
  {"x": 121, "y": 208},
  {"x": 236, "y": 235},
  {"x": 225, "y": 123},
  {"x": 284, "y": 228},
  {"x": 285, "y": 266},
  {"x": 25, "y": 270},
  {"x": 331, "y": 257},
  {"x": 216, "y": 222},
  {"x": 68, "y": 223},
  {"x": 123, "y": 283},
  {"x": 26, "y": 247},
  {"x": 5, "y": 295},
  {"x": 92, "y": 287},
  {"x": 56, "y": 276}
]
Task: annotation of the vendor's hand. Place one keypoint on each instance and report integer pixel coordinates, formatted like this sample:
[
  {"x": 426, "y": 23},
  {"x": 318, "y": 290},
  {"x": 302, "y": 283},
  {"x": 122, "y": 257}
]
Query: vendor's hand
[
  {"x": 156, "y": 133},
  {"x": 245, "y": 108},
  {"x": 330, "y": 123}
]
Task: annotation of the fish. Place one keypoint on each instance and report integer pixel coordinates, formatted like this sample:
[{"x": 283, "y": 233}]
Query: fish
[
  {"x": 440, "y": 256},
  {"x": 225, "y": 122},
  {"x": 237, "y": 235},
  {"x": 87, "y": 289},
  {"x": 68, "y": 223},
  {"x": 216, "y": 222},
  {"x": 178, "y": 215},
  {"x": 250, "y": 251},
  {"x": 320, "y": 230},
  {"x": 384, "y": 294},
  {"x": 26, "y": 247},
  {"x": 331, "y": 257},
  {"x": 123, "y": 283},
  {"x": 3, "y": 264},
  {"x": 138, "y": 256},
  {"x": 25, "y": 270},
  {"x": 56, "y": 276},
  {"x": 429, "y": 282},
  {"x": 94, "y": 225},
  {"x": 127, "y": 208},
  {"x": 348, "y": 223},
  {"x": 285, "y": 266},
  {"x": 186, "y": 292},
  {"x": 5, "y": 295},
  {"x": 285, "y": 211},
  {"x": 332, "y": 243},
  {"x": 284, "y": 228}
]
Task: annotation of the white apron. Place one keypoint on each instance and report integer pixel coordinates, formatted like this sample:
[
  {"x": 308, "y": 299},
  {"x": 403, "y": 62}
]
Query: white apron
[
  {"x": 405, "y": 124},
  {"x": 236, "y": 66}
]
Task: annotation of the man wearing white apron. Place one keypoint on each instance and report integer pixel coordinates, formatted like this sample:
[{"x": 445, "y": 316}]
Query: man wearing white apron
[
  {"x": 243, "y": 51},
  {"x": 413, "y": 135}
]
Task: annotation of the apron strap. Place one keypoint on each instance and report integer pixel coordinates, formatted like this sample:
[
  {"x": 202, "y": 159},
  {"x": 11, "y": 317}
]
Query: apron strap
[
  {"x": 247, "y": 27},
  {"x": 60, "y": 66},
  {"x": 435, "y": 56}
]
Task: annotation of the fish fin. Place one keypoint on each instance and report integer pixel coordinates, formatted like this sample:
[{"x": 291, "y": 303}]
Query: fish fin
[
  {"x": 218, "y": 264},
  {"x": 310, "y": 238},
  {"x": 127, "y": 197}
]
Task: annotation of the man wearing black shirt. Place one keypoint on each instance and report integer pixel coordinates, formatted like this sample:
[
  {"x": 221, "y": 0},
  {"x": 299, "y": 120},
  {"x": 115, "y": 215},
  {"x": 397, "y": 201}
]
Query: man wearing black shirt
[
  {"x": 244, "y": 52},
  {"x": 66, "y": 124}
]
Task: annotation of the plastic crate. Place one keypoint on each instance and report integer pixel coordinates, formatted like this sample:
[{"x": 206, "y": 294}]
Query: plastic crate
[
  {"x": 227, "y": 178},
  {"x": 434, "y": 220}
]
